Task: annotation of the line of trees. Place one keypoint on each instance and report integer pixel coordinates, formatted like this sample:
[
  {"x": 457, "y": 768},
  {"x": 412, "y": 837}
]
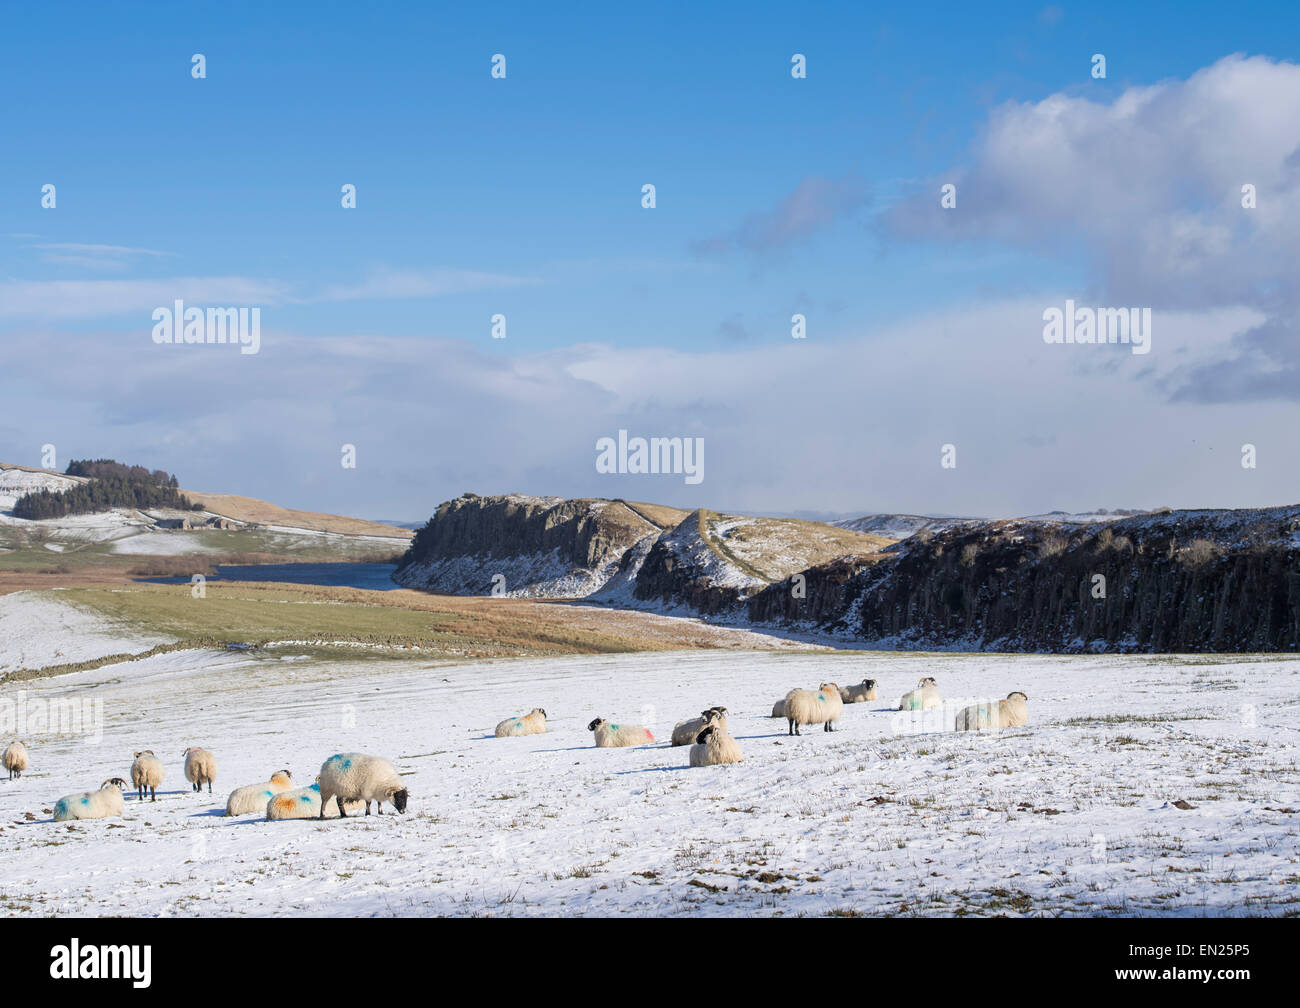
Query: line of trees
[
  {"x": 110, "y": 469},
  {"x": 111, "y": 485}
]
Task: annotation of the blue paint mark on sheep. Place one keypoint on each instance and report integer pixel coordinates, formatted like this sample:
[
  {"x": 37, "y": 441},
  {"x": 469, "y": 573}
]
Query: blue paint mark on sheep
[{"x": 85, "y": 801}]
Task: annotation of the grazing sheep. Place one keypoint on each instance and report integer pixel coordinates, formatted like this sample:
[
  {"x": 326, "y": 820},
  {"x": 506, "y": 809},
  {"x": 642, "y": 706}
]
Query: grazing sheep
[
  {"x": 994, "y": 716},
  {"x": 533, "y": 723},
  {"x": 15, "y": 759},
  {"x": 200, "y": 768},
  {"x": 147, "y": 773},
  {"x": 820, "y": 706},
  {"x": 778, "y": 708},
  {"x": 925, "y": 696},
  {"x": 715, "y": 745},
  {"x": 253, "y": 797},
  {"x": 685, "y": 733},
  {"x": 102, "y": 804},
  {"x": 302, "y": 803},
  {"x": 857, "y": 694},
  {"x": 358, "y": 777},
  {"x": 609, "y": 735}
]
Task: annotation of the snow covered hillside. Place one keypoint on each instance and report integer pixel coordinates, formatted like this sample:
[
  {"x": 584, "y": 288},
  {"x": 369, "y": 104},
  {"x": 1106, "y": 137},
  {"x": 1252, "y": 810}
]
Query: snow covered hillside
[{"x": 1151, "y": 786}]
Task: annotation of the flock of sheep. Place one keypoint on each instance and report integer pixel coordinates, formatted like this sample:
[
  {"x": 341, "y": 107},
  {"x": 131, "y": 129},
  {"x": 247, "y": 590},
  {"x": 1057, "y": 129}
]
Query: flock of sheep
[{"x": 353, "y": 780}]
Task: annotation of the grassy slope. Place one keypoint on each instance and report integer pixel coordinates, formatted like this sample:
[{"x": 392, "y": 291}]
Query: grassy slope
[
  {"x": 775, "y": 548},
  {"x": 249, "y": 509}
]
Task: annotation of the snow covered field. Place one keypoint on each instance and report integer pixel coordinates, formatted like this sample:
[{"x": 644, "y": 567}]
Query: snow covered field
[
  {"x": 38, "y": 629},
  {"x": 1074, "y": 814}
]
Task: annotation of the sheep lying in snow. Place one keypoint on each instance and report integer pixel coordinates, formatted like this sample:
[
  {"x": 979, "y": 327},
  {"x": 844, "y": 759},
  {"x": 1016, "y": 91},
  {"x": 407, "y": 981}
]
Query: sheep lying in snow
[
  {"x": 686, "y": 732},
  {"x": 200, "y": 768},
  {"x": 102, "y": 804},
  {"x": 994, "y": 716},
  {"x": 533, "y": 723},
  {"x": 820, "y": 706},
  {"x": 147, "y": 773},
  {"x": 358, "y": 777},
  {"x": 15, "y": 759},
  {"x": 925, "y": 696},
  {"x": 303, "y": 803},
  {"x": 857, "y": 694},
  {"x": 253, "y": 797},
  {"x": 778, "y": 708},
  {"x": 609, "y": 736},
  {"x": 715, "y": 745}
]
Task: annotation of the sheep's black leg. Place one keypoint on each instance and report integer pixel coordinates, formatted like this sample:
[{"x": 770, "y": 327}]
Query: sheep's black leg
[
  {"x": 338, "y": 800},
  {"x": 367, "y": 808},
  {"x": 209, "y": 787},
  {"x": 791, "y": 727}
]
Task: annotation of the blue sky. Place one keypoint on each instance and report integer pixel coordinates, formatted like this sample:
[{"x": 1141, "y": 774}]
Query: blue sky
[{"x": 522, "y": 196}]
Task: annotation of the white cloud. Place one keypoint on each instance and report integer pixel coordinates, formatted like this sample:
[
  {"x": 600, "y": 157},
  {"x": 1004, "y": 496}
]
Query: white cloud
[{"x": 1149, "y": 188}]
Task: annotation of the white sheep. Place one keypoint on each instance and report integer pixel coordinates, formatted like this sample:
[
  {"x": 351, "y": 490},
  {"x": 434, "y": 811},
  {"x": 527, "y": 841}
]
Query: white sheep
[
  {"x": 15, "y": 759},
  {"x": 253, "y": 797},
  {"x": 1014, "y": 710},
  {"x": 200, "y": 768},
  {"x": 609, "y": 735},
  {"x": 925, "y": 696},
  {"x": 860, "y": 693},
  {"x": 533, "y": 723},
  {"x": 778, "y": 708},
  {"x": 995, "y": 715},
  {"x": 820, "y": 706},
  {"x": 686, "y": 732},
  {"x": 715, "y": 745},
  {"x": 302, "y": 803},
  {"x": 147, "y": 773},
  {"x": 102, "y": 804},
  {"x": 358, "y": 777}
]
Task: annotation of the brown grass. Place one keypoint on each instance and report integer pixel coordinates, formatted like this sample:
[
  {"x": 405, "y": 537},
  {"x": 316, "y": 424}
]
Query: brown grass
[{"x": 259, "y": 512}]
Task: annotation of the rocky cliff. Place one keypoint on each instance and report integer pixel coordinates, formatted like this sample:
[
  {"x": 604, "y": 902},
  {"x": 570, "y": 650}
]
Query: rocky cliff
[
  {"x": 520, "y": 545},
  {"x": 1179, "y": 581}
]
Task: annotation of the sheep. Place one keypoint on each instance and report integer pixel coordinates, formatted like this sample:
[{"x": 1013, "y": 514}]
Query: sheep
[
  {"x": 994, "y": 716},
  {"x": 685, "y": 733},
  {"x": 358, "y": 777},
  {"x": 253, "y": 797},
  {"x": 15, "y": 759},
  {"x": 610, "y": 735},
  {"x": 1014, "y": 710},
  {"x": 147, "y": 773},
  {"x": 925, "y": 696},
  {"x": 102, "y": 804},
  {"x": 302, "y": 803},
  {"x": 822, "y": 705},
  {"x": 715, "y": 745},
  {"x": 533, "y": 723},
  {"x": 858, "y": 694},
  {"x": 778, "y": 708},
  {"x": 200, "y": 768}
]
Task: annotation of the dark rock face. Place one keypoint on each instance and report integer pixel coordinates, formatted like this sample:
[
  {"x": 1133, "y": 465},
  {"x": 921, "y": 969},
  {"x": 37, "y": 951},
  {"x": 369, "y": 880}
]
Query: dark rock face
[
  {"x": 669, "y": 575},
  {"x": 1183, "y": 581},
  {"x": 586, "y": 535},
  {"x": 824, "y": 596}
]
